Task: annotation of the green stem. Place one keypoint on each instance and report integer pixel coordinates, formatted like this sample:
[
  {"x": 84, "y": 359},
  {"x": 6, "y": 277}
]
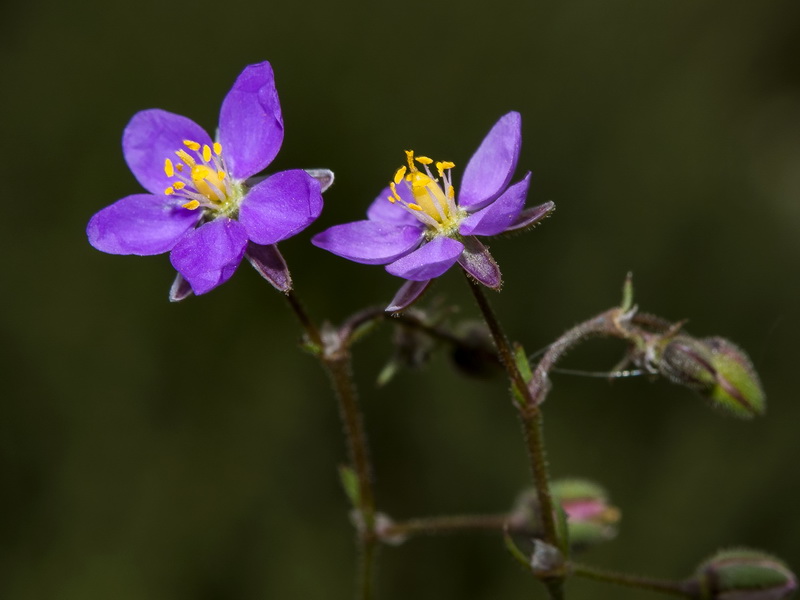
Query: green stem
[
  {"x": 334, "y": 354},
  {"x": 673, "y": 588}
]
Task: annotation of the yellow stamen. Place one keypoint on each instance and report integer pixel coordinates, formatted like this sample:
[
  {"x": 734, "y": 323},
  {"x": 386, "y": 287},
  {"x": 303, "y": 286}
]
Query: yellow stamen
[
  {"x": 191, "y": 205},
  {"x": 179, "y": 167},
  {"x": 179, "y": 185},
  {"x": 442, "y": 165},
  {"x": 188, "y": 160},
  {"x": 169, "y": 191},
  {"x": 217, "y": 148},
  {"x": 451, "y": 192},
  {"x": 424, "y": 160},
  {"x": 391, "y": 199},
  {"x": 395, "y": 195},
  {"x": 398, "y": 176},
  {"x": 413, "y": 206},
  {"x": 220, "y": 175},
  {"x": 168, "y": 168},
  {"x": 191, "y": 145},
  {"x": 206, "y": 153}
]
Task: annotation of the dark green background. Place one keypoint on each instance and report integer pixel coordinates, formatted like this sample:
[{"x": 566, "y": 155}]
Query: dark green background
[{"x": 157, "y": 451}]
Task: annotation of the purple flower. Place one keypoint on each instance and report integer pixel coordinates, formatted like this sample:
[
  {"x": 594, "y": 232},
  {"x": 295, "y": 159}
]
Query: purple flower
[
  {"x": 202, "y": 207},
  {"x": 419, "y": 227}
]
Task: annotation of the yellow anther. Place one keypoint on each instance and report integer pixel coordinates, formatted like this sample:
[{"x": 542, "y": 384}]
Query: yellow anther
[
  {"x": 391, "y": 199},
  {"x": 395, "y": 195},
  {"x": 424, "y": 160},
  {"x": 220, "y": 175},
  {"x": 168, "y": 168},
  {"x": 191, "y": 145},
  {"x": 442, "y": 165},
  {"x": 179, "y": 185},
  {"x": 191, "y": 205},
  {"x": 179, "y": 167},
  {"x": 169, "y": 191},
  {"x": 451, "y": 192},
  {"x": 206, "y": 153},
  {"x": 399, "y": 174},
  {"x": 413, "y": 206},
  {"x": 217, "y": 148},
  {"x": 188, "y": 160}
]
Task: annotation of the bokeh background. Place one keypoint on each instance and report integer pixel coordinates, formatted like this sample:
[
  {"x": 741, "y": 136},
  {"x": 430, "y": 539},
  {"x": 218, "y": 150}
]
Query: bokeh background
[{"x": 160, "y": 451}]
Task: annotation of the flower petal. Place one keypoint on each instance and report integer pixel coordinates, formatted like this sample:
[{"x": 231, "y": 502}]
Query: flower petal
[
  {"x": 383, "y": 210},
  {"x": 531, "y": 216},
  {"x": 268, "y": 261},
  {"x": 209, "y": 255},
  {"x": 140, "y": 224},
  {"x": 477, "y": 261},
  {"x": 408, "y": 293},
  {"x": 250, "y": 122},
  {"x": 429, "y": 261},
  {"x": 280, "y": 206},
  {"x": 490, "y": 169},
  {"x": 152, "y": 136},
  {"x": 500, "y": 214},
  {"x": 369, "y": 242}
]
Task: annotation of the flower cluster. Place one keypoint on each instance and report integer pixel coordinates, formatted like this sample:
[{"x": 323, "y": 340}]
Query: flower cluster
[{"x": 207, "y": 211}]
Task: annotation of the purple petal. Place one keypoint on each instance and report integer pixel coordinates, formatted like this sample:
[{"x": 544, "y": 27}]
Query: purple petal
[
  {"x": 500, "y": 214},
  {"x": 250, "y": 122},
  {"x": 141, "y": 224},
  {"x": 369, "y": 242},
  {"x": 429, "y": 261},
  {"x": 531, "y": 216},
  {"x": 180, "y": 289},
  {"x": 280, "y": 206},
  {"x": 490, "y": 169},
  {"x": 383, "y": 210},
  {"x": 268, "y": 261},
  {"x": 209, "y": 255},
  {"x": 408, "y": 293},
  {"x": 477, "y": 261},
  {"x": 152, "y": 136}
]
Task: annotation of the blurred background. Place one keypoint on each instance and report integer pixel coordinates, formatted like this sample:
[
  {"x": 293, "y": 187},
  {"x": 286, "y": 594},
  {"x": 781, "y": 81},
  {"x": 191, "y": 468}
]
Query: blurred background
[{"x": 189, "y": 451}]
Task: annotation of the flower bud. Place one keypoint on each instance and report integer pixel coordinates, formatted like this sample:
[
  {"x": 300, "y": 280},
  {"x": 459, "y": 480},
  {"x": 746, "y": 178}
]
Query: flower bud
[
  {"x": 742, "y": 574},
  {"x": 590, "y": 519},
  {"x": 715, "y": 368}
]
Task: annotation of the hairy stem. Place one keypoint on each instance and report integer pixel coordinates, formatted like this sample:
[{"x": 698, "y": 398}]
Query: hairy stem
[
  {"x": 673, "y": 588},
  {"x": 334, "y": 354},
  {"x": 531, "y": 417},
  {"x": 447, "y": 524}
]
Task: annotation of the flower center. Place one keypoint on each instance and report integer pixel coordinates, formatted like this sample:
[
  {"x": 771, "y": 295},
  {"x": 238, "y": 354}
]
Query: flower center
[
  {"x": 200, "y": 176},
  {"x": 434, "y": 199}
]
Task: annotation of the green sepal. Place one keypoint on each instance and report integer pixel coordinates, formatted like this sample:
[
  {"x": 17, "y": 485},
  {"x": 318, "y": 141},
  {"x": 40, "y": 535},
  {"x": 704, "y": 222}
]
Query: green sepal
[
  {"x": 350, "y": 484},
  {"x": 524, "y": 368},
  {"x": 627, "y": 293}
]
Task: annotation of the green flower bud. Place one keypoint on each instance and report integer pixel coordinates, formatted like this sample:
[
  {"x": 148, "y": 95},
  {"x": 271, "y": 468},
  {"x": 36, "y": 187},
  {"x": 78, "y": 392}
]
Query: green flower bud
[
  {"x": 717, "y": 369},
  {"x": 742, "y": 574}
]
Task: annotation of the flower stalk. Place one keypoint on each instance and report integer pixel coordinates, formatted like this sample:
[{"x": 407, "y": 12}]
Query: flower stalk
[{"x": 664, "y": 586}]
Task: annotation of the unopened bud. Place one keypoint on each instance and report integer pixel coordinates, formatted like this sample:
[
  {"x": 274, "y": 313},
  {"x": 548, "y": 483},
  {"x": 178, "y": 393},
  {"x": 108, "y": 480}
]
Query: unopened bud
[
  {"x": 715, "y": 368},
  {"x": 591, "y": 519},
  {"x": 742, "y": 574}
]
